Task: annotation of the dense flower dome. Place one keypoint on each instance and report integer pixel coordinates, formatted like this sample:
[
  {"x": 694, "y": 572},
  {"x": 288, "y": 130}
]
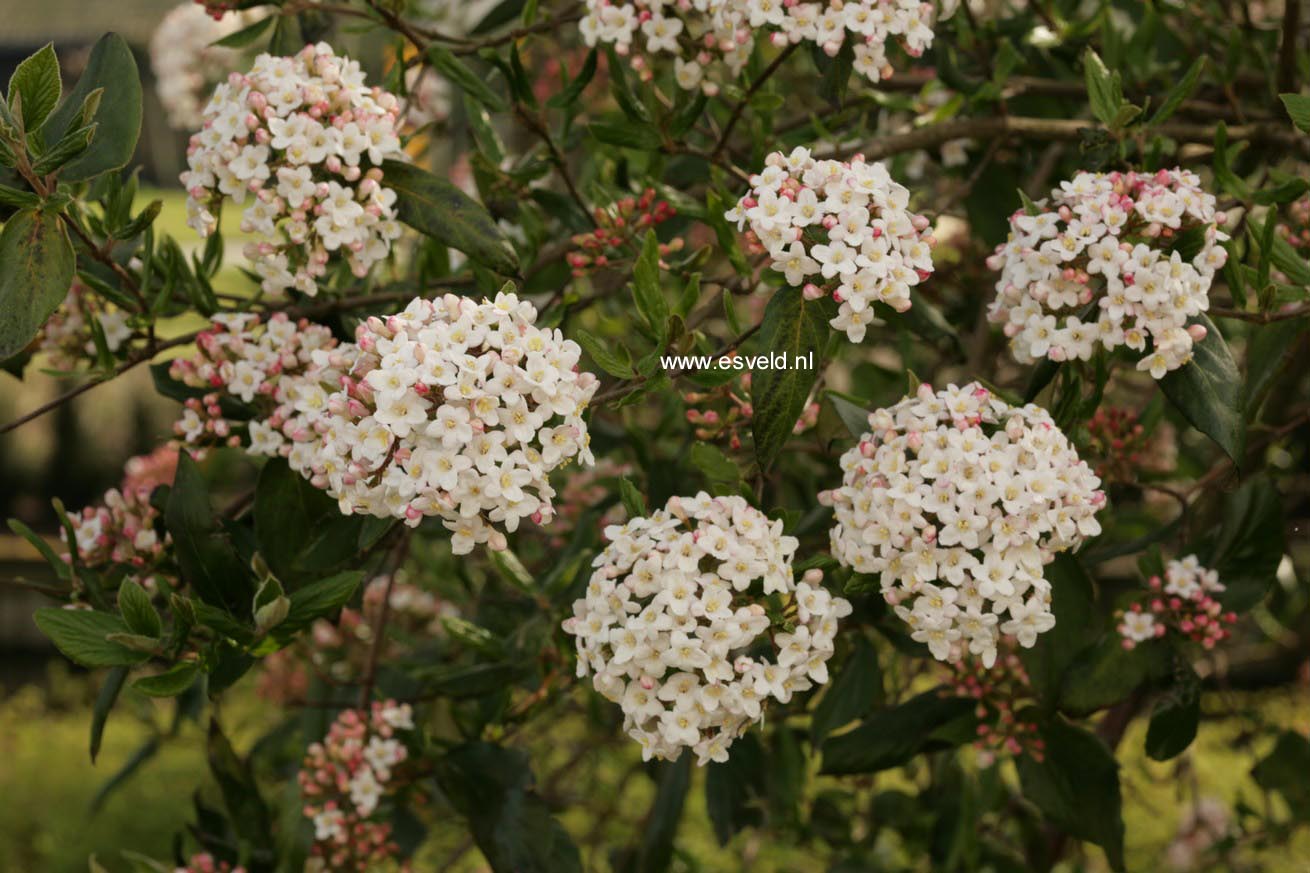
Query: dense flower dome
[
  {"x": 187, "y": 64},
  {"x": 958, "y": 499},
  {"x": 252, "y": 361},
  {"x": 676, "y": 630},
  {"x": 838, "y": 228},
  {"x": 451, "y": 408},
  {"x": 303, "y": 139},
  {"x": 1115, "y": 259},
  {"x": 711, "y": 40}
]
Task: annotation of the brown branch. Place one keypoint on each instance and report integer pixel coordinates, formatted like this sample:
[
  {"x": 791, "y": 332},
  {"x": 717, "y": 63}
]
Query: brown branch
[{"x": 384, "y": 616}]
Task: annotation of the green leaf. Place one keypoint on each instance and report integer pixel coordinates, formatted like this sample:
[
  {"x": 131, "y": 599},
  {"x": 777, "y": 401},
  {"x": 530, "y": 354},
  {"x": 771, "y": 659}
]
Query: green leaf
[
  {"x": 58, "y": 564},
  {"x": 241, "y": 795},
  {"x": 493, "y": 788},
  {"x": 613, "y": 358},
  {"x": 653, "y": 855},
  {"x": 209, "y": 561},
  {"x": 442, "y": 211},
  {"x": 1103, "y": 88},
  {"x": 118, "y": 118},
  {"x": 891, "y": 736},
  {"x": 300, "y": 529},
  {"x": 17, "y": 199},
  {"x": 465, "y": 79},
  {"x": 246, "y": 35},
  {"x": 1298, "y": 109},
  {"x": 1076, "y": 786},
  {"x": 68, "y": 148},
  {"x": 1173, "y": 725},
  {"x": 633, "y": 501},
  {"x": 646, "y": 288},
  {"x": 138, "y": 612},
  {"x": 1249, "y": 544},
  {"x": 852, "y": 413},
  {"x": 1283, "y": 771},
  {"x": 570, "y": 94},
  {"x": 798, "y": 329},
  {"x": 1071, "y": 601},
  {"x": 1286, "y": 259},
  {"x": 36, "y": 269},
  {"x": 1267, "y": 352},
  {"x": 319, "y": 599},
  {"x": 852, "y": 693},
  {"x": 81, "y": 635},
  {"x": 722, "y": 473},
  {"x": 1105, "y": 673},
  {"x": 105, "y": 699},
  {"x": 1180, "y": 92},
  {"x": 735, "y": 789},
  {"x": 1207, "y": 390},
  {"x": 171, "y": 682},
  {"x": 626, "y": 133},
  {"x": 36, "y": 82}
]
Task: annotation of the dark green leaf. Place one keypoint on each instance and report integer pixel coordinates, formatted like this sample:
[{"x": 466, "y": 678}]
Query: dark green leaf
[
  {"x": 646, "y": 288},
  {"x": 81, "y": 635},
  {"x": 71, "y": 146},
  {"x": 492, "y": 787},
  {"x": 1173, "y": 724},
  {"x": 105, "y": 700},
  {"x": 319, "y": 599},
  {"x": 246, "y": 35},
  {"x": 1180, "y": 92},
  {"x": 570, "y": 94},
  {"x": 735, "y": 789},
  {"x": 209, "y": 562},
  {"x": 672, "y": 780},
  {"x": 442, "y": 211},
  {"x": 36, "y": 268},
  {"x": 1076, "y": 786},
  {"x": 1105, "y": 673},
  {"x": 626, "y": 133},
  {"x": 1268, "y": 350},
  {"x": 465, "y": 79},
  {"x": 58, "y": 564},
  {"x": 613, "y": 357},
  {"x": 853, "y": 692},
  {"x": 1103, "y": 88},
  {"x": 1283, "y": 771},
  {"x": 300, "y": 529},
  {"x": 36, "y": 81},
  {"x": 1249, "y": 545},
  {"x": 138, "y": 612},
  {"x": 1207, "y": 390},
  {"x": 241, "y": 794},
  {"x": 1071, "y": 600},
  {"x": 722, "y": 473},
  {"x": 797, "y": 329},
  {"x": 118, "y": 118},
  {"x": 852, "y": 413},
  {"x": 170, "y": 683},
  {"x": 1298, "y": 109},
  {"x": 633, "y": 502},
  {"x": 891, "y": 736}
]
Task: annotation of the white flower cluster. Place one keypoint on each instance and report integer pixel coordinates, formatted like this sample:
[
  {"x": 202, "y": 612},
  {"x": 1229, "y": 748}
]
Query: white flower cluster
[
  {"x": 1186, "y": 578},
  {"x": 838, "y": 228},
  {"x": 958, "y": 500},
  {"x": 304, "y": 138},
  {"x": 1104, "y": 261},
  {"x": 185, "y": 62},
  {"x": 674, "y": 623},
  {"x": 68, "y": 336},
  {"x": 712, "y": 39},
  {"x": 254, "y": 362},
  {"x": 450, "y": 408}
]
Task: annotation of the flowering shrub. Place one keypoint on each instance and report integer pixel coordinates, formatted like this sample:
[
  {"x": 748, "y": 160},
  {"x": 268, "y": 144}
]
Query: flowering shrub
[
  {"x": 674, "y": 610},
  {"x": 847, "y": 225},
  {"x": 959, "y": 488},
  {"x": 306, "y": 139},
  {"x": 897, "y": 626},
  {"x": 1109, "y": 246},
  {"x": 450, "y": 408}
]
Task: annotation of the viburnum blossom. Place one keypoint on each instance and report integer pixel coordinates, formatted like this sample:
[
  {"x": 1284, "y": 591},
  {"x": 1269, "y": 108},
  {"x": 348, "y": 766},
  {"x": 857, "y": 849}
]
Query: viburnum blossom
[
  {"x": 1003, "y": 696},
  {"x": 242, "y": 358},
  {"x": 452, "y": 408},
  {"x": 185, "y": 62},
  {"x": 304, "y": 139},
  {"x": 711, "y": 40},
  {"x": 723, "y": 412},
  {"x": 124, "y": 529},
  {"x": 838, "y": 228},
  {"x": 69, "y": 335},
  {"x": 343, "y": 780},
  {"x": 1111, "y": 259},
  {"x": 958, "y": 500},
  {"x": 619, "y": 230},
  {"x": 1182, "y": 602},
  {"x": 692, "y": 621}
]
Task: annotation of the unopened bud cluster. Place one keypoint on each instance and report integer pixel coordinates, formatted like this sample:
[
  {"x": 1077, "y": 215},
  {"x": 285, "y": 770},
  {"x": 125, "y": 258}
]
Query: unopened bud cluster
[
  {"x": 1001, "y": 693},
  {"x": 1111, "y": 259},
  {"x": 303, "y": 139},
  {"x": 1183, "y": 602},
  {"x": 691, "y": 622},
  {"x": 958, "y": 500},
  {"x": 618, "y": 231},
  {"x": 724, "y": 412},
  {"x": 839, "y": 229}
]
